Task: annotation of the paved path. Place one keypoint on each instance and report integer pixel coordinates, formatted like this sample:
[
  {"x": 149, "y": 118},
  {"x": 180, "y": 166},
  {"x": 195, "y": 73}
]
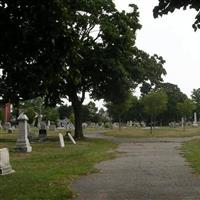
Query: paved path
[{"x": 147, "y": 169}]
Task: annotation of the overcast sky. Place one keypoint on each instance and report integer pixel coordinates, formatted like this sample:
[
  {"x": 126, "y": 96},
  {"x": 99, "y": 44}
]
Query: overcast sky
[{"x": 173, "y": 38}]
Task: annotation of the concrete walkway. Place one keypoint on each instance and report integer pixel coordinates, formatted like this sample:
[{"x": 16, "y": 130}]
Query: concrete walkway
[{"x": 147, "y": 169}]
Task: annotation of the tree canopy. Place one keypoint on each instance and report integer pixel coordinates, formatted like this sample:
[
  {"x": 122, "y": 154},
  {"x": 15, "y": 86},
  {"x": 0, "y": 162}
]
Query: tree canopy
[
  {"x": 155, "y": 103},
  {"x": 67, "y": 48},
  {"x": 166, "y": 6},
  {"x": 174, "y": 96}
]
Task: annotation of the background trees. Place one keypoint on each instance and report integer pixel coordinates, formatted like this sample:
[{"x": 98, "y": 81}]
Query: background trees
[
  {"x": 186, "y": 108},
  {"x": 174, "y": 96},
  {"x": 154, "y": 103},
  {"x": 196, "y": 99}
]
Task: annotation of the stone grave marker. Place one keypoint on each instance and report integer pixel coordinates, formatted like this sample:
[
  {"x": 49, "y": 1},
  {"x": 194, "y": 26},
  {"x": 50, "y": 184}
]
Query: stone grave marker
[
  {"x": 22, "y": 144},
  {"x": 195, "y": 124},
  {"x": 42, "y": 132},
  {"x": 62, "y": 143},
  {"x": 71, "y": 138},
  {"x": 5, "y": 167},
  {"x": 52, "y": 127},
  {"x": 7, "y": 126}
]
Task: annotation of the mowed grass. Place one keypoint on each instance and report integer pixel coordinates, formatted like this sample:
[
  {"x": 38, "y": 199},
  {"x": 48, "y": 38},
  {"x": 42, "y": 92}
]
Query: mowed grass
[
  {"x": 191, "y": 152},
  {"x": 158, "y": 132},
  {"x": 46, "y": 172}
]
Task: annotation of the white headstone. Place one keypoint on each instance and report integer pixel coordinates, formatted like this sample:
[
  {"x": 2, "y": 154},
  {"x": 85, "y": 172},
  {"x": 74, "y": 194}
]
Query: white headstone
[
  {"x": 22, "y": 144},
  {"x": 182, "y": 122},
  {"x": 62, "y": 143},
  {"x": 5, "y": 167},
  {"x": 71, "y": 138},
  {"x": 195, "y": 124}
]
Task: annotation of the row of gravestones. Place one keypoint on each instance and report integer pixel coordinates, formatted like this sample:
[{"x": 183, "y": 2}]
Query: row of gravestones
[{"x": 23, "y": 144}]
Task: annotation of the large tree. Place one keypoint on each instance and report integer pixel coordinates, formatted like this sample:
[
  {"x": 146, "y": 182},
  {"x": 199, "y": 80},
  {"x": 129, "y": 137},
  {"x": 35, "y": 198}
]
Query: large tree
[
  {"x": 67, "y": 48},
  {"x": 105, "y": 61},
  {"x": 166, "y": 6}
]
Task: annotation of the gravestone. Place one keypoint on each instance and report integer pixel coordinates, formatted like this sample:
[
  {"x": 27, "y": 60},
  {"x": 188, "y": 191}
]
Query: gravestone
[
  {"x": 5, "y": 167},
  {"x": 52, "y": 127},
  {"x": 7, "y": 127},
  {"x": 195, "y": 124},
  {"x": 182, "y": 122},
  {"x": 22, "y": 144},
  {"x": 84, "y": 125},
  {"x": 71, "y": 138},
  {"x": 62, "y": 143},
  {"x": 42, "y": 132}
]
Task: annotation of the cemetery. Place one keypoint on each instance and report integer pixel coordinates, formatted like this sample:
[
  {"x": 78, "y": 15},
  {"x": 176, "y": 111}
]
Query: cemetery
[{"x": 90, "y": 109}]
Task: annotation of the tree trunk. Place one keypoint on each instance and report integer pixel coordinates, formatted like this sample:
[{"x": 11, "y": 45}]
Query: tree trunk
[
  {"x": 151, "y": 129},
  {"x": 77, "y": 107}
]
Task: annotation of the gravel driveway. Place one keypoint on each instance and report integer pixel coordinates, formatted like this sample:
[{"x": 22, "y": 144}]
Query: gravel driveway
[{"x": 146, "y": 169}]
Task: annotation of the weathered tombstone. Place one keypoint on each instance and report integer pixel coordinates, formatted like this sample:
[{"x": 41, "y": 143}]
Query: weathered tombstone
[
  {"x": 48, "y": 124},
  {"x": 131, "y": 123},
  {"x": 22, "y": 144},
  {"x": 62, "y": 143},
  {"x": 42, "y": 132},
  {"x": 143, "y": 124},
  {"x": 84, "y": 125},
  {"x": 71, "y": 138},
  {"x": 52, "y": 127},
  {"x": 7, "y": 126},
  {"x": 5, "y": 167},
  {"x": 182, "y": 122},
  {"x": 195, "y": 124}
]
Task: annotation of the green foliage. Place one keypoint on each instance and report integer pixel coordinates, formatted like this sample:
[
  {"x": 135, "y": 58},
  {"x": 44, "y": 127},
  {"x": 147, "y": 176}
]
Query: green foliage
[
  {"x": 186, "y": 108},
  {"x": 51, "y": 114},
  {"x": 196, "y": 99},
  {"x": 62, "y": 49},
  {"x": 65, "y": 111},
  {"x": 174, "y": 96},
  {"x": 166, "y": 6},
  {"x": 155, "y": 102}
]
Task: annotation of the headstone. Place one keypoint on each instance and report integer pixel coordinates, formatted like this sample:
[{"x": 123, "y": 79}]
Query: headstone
[
  {"x": 128, "y": 124},
  {"x": 84, "y": 125},
  {"x": 71, "y": 138},
  {"x": 131, "y": 123},
  {"x": 62, "y": 143},
  {"x": 22, "y": 144},
  {"x": 182, "y": 122},
  {"x": 7, "y": 126},
  {"x": 143, "y": 124},
  {"x": 52, "y": 127},
  {"x": 195, "y": 124},
  {"x": 5, "y": 167},
  {"x": 42, "y": 132}
]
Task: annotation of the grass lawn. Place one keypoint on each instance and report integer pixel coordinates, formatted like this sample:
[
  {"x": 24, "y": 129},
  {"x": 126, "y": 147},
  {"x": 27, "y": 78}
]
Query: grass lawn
[
  {"x": 160, "y": 132},
  {"x": 191, "y": 152},
  {"x": 46, "y": 172}
]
